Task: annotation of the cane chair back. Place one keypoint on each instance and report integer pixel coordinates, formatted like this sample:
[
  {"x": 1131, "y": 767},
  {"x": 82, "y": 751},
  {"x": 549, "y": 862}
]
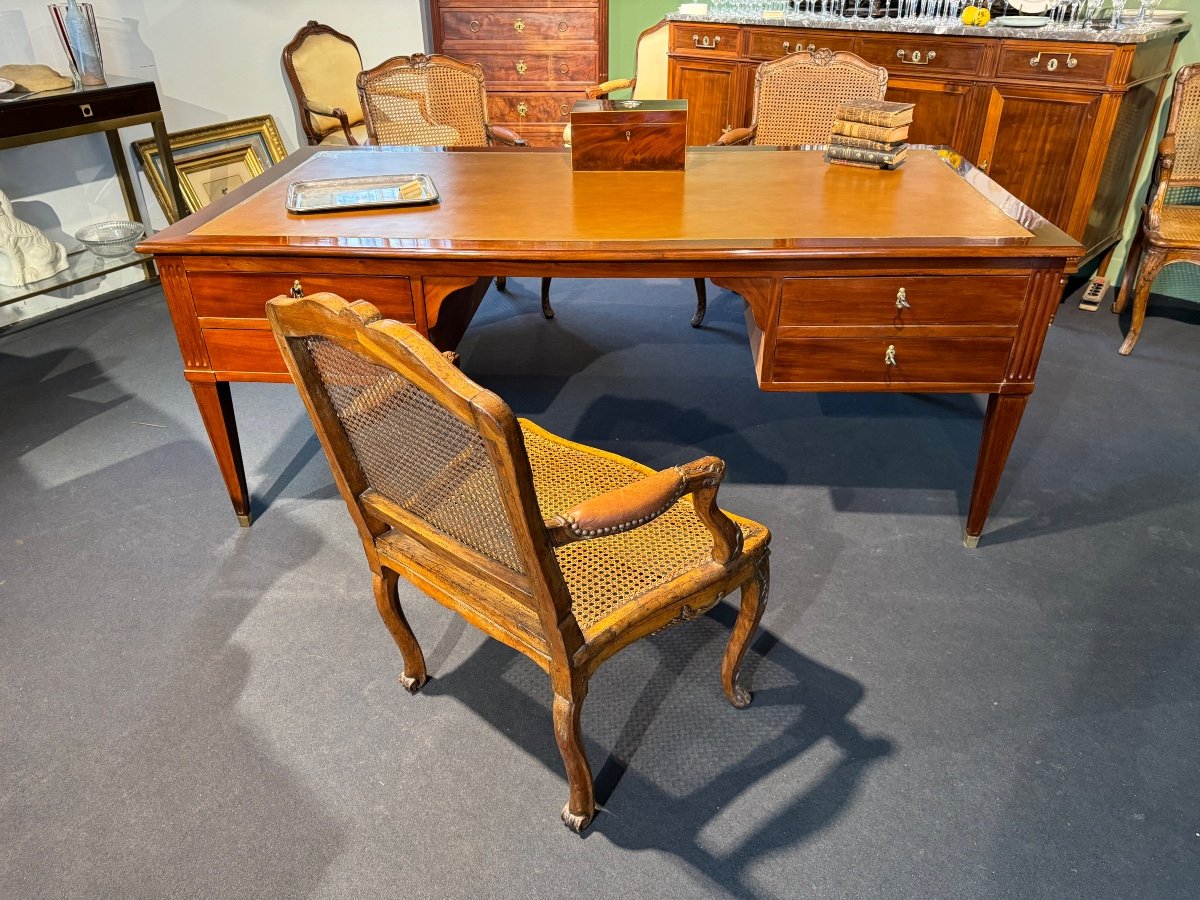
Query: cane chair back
[
  {"x": 564, "y": 552},
  {"x": 322, "y": 65},
  {"x": 424, "y": 100},
  {"x": 796, "y": 97},
  {"x": 1170, "y": 231}
]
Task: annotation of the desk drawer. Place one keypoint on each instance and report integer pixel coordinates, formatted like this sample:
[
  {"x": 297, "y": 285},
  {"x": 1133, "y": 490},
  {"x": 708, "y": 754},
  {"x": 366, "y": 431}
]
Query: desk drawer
[
  {"x": 863, "y": 360},
  {"x": 513, "y": 110},
  {"x": 1052, "y": 61},
  {"x": 243, "y": 295},
  {"x": 918, "y": 53},
  {"x": 243, "y": 350},
  {"x": 931, "y": 299},
  {"x": 510, "y": 70},
  {"x": 79, "y": 109},
  {"x": 772, "y": 43},
  {"x": 516, "y": 27},
  {"x": 701, "y": 38}
]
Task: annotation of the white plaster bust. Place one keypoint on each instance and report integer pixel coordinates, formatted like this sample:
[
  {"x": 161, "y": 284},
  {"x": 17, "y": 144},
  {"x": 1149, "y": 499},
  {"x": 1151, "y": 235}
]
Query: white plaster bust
[{"x": 26, "y": 255}]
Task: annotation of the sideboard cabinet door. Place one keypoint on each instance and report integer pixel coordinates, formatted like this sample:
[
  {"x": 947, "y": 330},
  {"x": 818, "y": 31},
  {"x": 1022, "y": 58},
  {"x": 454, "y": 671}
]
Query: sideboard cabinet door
[{"x": 715, "y": 92}]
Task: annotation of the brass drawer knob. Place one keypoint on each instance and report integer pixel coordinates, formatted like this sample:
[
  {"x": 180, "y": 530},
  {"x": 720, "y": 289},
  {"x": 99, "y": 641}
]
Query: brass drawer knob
[
  {"x": 297, "y": 290},
  {"x": 519, "y": 25},
  {"x": 889, "y": 356},
  {"x": 902, "y": 299}
]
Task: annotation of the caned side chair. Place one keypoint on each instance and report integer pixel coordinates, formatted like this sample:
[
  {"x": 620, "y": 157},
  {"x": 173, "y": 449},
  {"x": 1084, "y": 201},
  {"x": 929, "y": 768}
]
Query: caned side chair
[
  {"x": 1170, "y": 229},
  {"x": 433, "y": 101},
  {"x": 322, "y": 65},
  {"x": 562, "y": 551}
]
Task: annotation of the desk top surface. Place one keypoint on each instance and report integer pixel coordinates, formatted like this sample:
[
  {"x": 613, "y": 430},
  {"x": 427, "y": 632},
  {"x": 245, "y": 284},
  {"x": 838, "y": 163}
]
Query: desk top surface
[{"x": 727, "y": 202}]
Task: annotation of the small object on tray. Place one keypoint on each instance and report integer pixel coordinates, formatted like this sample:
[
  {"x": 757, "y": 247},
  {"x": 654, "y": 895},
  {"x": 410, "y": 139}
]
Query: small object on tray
[
  {"x": 111, "y": 238},
  {"x": 1021, "y": 21},
  {"x": 361, "y": 192}
]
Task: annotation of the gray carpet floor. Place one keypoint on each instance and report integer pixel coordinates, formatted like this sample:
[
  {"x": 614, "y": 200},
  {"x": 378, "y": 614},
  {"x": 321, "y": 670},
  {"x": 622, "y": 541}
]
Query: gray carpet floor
[{"x": 191, "y": 709}]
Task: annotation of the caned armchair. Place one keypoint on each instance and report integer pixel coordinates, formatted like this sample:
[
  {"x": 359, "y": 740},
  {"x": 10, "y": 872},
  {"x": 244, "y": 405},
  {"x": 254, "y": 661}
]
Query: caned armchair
[
  {"x": 433, "y": 101},
  {"x": 1170, "y": 230},
  {"x": 796, "y": 97},
  {"x": 563, "y": 552},
  {"x": 322, "y": 65}
]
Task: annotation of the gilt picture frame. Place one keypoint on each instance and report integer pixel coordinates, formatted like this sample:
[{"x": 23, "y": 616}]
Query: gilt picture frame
[
  {"x": 205, "y": 177},
  {"x": 210, "y": 147}
]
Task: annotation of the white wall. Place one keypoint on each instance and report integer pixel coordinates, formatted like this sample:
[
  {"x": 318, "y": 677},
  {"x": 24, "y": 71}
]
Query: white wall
[{"x": 213, "y": 61}]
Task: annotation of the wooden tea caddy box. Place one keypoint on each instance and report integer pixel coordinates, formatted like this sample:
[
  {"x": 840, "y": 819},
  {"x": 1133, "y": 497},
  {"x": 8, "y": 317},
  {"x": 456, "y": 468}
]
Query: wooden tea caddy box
[{"x": 628, "y": 135}]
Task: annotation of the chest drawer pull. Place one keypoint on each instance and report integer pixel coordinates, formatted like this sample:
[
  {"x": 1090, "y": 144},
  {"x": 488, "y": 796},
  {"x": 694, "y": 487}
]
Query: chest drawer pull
[
  {"x": 628, "y": 135},
  {"x": 915, "y": 58},
  {"x": 474, "y": 26},
  {"x": 562, "y": 27},
  {"x": 564, "y": 111},
  {"x": 519, "y": 25},
  {"x": 563, "y": 69},
  {"x": 889, "y": 355},
  {"x": 521, "y": 67},
  {"x": 297, "y": 290},
  {"x": 709, "y": 42},
  {"x": 1052, "y": 62},
  {"x": 902, "y": 299}
]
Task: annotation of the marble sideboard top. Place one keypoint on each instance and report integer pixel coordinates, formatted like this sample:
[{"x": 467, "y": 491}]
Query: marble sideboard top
[{"x": 1125, "y": 35}]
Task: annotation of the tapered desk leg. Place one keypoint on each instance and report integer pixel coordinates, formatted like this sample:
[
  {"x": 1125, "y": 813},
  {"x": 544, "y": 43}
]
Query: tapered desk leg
[
  {"x": 1004, "y": 413},
  {"x": 216, "y": 409}
]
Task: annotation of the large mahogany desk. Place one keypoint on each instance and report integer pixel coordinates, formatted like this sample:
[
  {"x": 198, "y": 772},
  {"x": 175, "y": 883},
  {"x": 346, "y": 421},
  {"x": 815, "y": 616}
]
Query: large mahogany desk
[{"x": 929, "y": 278}]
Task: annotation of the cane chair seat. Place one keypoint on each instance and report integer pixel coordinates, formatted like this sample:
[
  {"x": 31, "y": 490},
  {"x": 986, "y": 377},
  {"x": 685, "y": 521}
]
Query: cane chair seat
[
  {"x": 603, "y": 576},
  {"x": 1170, "y": 230},
  {"x": 562, "y": 551}
]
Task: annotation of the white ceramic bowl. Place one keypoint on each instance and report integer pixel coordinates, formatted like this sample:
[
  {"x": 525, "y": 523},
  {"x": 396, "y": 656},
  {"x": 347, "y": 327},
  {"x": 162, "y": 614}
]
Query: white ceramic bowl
[{"x": 111, "y": 238}]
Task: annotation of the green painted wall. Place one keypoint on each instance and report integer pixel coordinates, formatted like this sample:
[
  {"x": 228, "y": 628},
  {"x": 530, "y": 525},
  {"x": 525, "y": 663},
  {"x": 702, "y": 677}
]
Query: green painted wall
[{"x": 626, "y": 20}]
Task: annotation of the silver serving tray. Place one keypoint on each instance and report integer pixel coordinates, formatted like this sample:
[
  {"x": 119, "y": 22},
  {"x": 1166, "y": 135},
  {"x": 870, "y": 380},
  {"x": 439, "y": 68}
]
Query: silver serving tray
[{"x": 334, "y": 194}]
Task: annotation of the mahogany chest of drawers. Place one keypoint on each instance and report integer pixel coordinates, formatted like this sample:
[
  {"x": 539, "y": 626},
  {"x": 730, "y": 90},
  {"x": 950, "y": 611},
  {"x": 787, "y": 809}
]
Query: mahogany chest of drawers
[{"x": 538, "y": 56}]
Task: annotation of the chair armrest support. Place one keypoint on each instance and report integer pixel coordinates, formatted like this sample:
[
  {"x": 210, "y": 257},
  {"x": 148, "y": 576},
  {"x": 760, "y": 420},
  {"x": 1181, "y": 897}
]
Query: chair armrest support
[
  {"x": 633, "y": 505},
  {"x": 598, "y": 91},
  {"x": 332, "y": 112},
  {"x": 735, "y": 137},
  {"x": 1162, "y": 178},
  {"x": 501, "y": 135}
]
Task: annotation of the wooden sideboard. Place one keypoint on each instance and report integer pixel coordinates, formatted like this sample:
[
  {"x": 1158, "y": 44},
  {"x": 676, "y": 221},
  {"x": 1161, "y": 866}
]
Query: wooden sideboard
[
  {"x": 538, "y": 56},
  {"x": 1062, "y": 125}
]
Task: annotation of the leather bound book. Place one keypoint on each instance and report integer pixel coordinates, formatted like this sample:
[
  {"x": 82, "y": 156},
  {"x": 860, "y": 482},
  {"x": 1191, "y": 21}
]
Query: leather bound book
[
  {"x": 844, "y": 140},
  {"x": 862, "y": 165},
  {"x": 871, "y": 132},
  {"x": 871, "y": 157},
  {"x": 887, "y": 113}
]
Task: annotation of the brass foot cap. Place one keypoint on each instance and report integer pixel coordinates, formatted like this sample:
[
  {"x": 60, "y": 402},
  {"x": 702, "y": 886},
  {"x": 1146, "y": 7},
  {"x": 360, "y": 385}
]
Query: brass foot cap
[{"x": 970, "y": 541}]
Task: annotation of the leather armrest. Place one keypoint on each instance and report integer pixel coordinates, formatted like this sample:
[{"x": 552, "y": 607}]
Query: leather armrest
[
  {"x": 507, "y": 136},
  {"x": 735, "y": 136}
]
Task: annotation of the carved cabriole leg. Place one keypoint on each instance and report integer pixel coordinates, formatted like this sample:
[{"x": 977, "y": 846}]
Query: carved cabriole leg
[
  {"x": 1152, "y": 262},
  {"x": 581, "y": 806},
  {"x": 701, "y": 302},
  {"x": 754, "y": 602},
  {"x": 546, "y": 309},
  {"x": 387, "y": 600}
]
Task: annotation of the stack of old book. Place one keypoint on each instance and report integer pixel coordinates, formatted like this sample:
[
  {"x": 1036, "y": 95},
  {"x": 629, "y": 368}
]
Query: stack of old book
[{"x": 871, "y": 133}]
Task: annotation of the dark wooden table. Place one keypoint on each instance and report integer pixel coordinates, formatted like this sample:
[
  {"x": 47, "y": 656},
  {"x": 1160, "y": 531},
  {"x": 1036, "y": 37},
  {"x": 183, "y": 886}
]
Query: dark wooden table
[
  {"x": 927, "y": 279},
  {"x": 122, "y": 102}
]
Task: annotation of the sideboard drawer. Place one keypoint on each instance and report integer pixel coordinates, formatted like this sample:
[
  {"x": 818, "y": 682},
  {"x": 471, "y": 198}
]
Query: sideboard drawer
[
  {"x": 915, "y": 360},
  {"x": 1051, "y": 61},
  {"x": 921, "y": 54},
  {"x": 772, "y": 43},
  {"x": 511, "y": 69},
  {"x": 702, "y": 38},
  {"x": 514, "y": 27},
  {"x": 515, "y": 108},
  {"x": 244, "y": 295},
  {"x": 903, "y": 300}
]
